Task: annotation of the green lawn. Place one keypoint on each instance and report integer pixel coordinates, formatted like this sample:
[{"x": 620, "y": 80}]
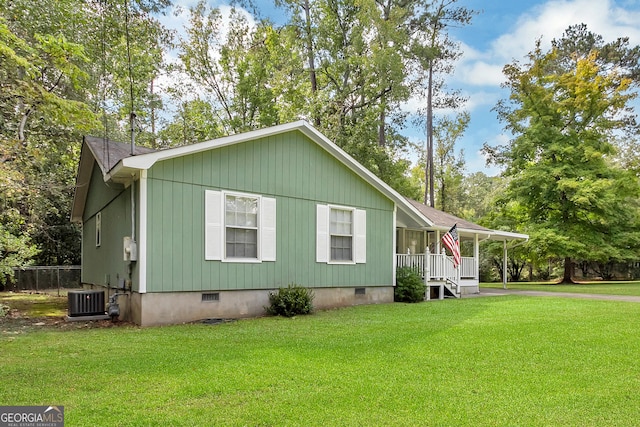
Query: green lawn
[
  {"x": 35, "y": 305},
  {"x": 494, "y": 361},
  {"x": 610, "y": 288}
]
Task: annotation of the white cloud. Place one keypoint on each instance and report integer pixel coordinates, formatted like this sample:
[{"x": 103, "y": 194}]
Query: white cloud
[
  {"x": 481, "y": 99},
  {"x": 480, "y": 73},
  {"x": 545, "y": 22}
]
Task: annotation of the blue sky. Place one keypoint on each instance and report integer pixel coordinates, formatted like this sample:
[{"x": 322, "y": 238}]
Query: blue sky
[{"x": 505, "y": 30}]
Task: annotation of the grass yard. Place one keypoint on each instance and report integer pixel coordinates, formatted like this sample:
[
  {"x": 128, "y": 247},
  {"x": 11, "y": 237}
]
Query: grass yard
[
  {"x": 492, "y": 361},
  {"x": 35, "y": 305},
  {"x": 607, "y": 288}
]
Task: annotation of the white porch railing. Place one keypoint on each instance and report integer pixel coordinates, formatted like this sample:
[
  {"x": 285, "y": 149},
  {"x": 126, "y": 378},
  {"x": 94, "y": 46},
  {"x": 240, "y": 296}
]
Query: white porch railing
[{"x": 440, "y": 266}]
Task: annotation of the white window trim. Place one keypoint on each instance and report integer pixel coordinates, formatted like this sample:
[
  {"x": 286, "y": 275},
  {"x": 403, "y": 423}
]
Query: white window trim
[
  {"x": 216, "y": 228},
  {"x": 258, "y": 227},
  {"x": 323, "y": 235},
  {"x": 98, "y": 229},
  {"x": 353, "y": 236}
]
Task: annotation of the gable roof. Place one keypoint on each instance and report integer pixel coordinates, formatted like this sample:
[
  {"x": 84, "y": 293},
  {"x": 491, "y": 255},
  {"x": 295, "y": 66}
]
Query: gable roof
[
  {"x": 106, "y": 154},
  {"x": 118, "y": 165},
  {"x": 109, "y": 153}
]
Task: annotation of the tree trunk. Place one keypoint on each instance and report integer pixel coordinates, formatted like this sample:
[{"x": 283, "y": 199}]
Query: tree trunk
[
  {"x": 429, "y": 189},
  {"x": 382, "y": 138},
  {"x": 310, "y": 56},
  {"x": 567, "y": 277},
  {"x": 153, "y": 118}
]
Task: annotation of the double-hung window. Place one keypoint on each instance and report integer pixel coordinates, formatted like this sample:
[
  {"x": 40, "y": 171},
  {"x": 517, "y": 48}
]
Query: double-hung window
[
  {"x": 341, "y": 235},
  {"x": 341, "y": 232},
  {"x": 239, "y": 227}
]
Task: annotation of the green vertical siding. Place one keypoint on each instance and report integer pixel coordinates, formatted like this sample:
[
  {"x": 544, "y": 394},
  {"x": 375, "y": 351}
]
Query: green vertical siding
[
  {"x": 289, "y": 167},
  {"x": 104, "y": 265}
]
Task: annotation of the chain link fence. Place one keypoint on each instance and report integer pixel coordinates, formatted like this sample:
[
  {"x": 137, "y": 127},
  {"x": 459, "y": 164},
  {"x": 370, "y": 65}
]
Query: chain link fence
[{"x": 39, "y": 278}]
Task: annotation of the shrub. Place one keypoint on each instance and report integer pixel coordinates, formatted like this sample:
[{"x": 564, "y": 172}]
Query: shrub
[
  {"x": 290, "y": 301},
  {"x": 409, "y": 286}
]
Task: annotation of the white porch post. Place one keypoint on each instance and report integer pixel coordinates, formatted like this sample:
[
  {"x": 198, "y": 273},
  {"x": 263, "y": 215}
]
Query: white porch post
[
  {"x": 437, "y": 242},
  {"x": 504, "y": 265},
  {"x": 476, "y": 257},
  {"x": 427, "y": 272}
]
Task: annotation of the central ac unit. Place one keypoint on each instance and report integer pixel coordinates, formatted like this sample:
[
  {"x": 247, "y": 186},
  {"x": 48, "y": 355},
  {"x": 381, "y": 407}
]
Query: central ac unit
[{"x": 86, "y": 303}]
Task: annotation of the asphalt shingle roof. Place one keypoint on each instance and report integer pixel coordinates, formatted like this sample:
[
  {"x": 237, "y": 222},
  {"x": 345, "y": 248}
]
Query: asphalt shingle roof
[
  {"x": 108, "y": 153},
  {"x": 444, "y": 219}
]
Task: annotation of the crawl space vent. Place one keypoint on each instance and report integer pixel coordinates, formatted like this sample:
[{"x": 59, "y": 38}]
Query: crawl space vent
[
  {"x": 361, "y": 291},
  {"x": 211, "y": 297}
]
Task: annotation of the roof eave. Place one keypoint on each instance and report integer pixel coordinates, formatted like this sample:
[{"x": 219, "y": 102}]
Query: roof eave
[
  {"x": 83, "y": 178},
  {"x": 122, "y": 174},
  {"x": 507, "y": 235}
]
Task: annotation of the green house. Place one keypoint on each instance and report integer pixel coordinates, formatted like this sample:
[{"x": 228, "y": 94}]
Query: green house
[{"x": 209, "y": 230}]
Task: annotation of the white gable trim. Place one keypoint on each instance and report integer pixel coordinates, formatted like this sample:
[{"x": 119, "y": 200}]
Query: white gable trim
[
  {"x": 142, "y": 239},
  {"x": 146, "y": 161}
]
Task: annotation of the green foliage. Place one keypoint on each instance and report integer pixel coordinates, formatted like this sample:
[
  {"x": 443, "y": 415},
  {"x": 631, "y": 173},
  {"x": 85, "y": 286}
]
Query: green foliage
[
  {"x": 194, "y": 122},
  {"x": 16, "y": 250},
  {"x": 409, "y": 286},
  {"x": 480, "y": 192},
  {"x": 570, "y": 195},
  {"x": 449, "y": 168},
  {"x": 347, "y": 67},
  {"x": 290, "y": 301},
  {"x": 56, "y": 73}
]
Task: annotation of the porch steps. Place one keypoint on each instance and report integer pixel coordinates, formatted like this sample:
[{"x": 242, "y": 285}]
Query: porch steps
[
  {"x": 451, "y": 289},
  {"x": 447, "y": 289}
]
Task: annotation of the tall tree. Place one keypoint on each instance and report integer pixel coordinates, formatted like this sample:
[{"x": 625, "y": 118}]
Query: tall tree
[
  {"x": 449, "y": 172},
  {"x": 250, "y": 72},
  {"x": 564, "y": 115},
  {"x": 55, "y": 74},
  {"x": 434, "y": 53}
]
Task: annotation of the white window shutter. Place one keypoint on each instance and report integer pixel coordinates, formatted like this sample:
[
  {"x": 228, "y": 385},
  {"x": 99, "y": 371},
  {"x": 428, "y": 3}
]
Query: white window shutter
[
  {"x": 268, "y": 229},
  {"x": 322, "y": 233},
  {"x": 360, "y": 232},
  {"x": 213, "y": 214}
]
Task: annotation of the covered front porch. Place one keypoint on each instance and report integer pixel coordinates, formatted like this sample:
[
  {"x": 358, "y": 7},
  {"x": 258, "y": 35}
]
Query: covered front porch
[
  {"x": 422, "y": 251},
  {"x": 418, "y": 246}
]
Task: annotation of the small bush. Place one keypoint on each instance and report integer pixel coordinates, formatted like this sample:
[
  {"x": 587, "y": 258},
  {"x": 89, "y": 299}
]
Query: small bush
[
  {"x": 409, "y": 286},
  {"x": 290, "y": 301}
]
